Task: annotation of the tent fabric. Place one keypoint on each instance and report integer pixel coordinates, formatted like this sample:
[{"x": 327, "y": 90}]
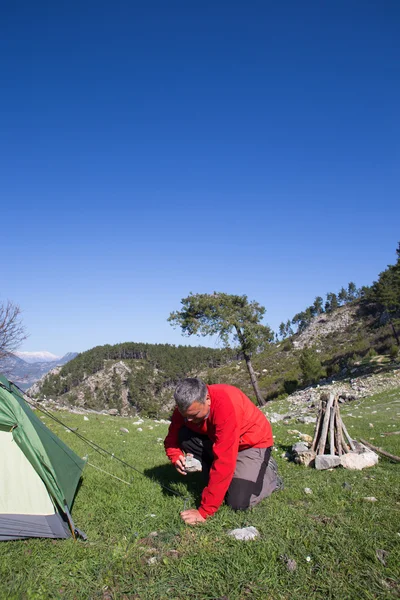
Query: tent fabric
[
  {"x": 22, "y": 490},
  {"x": 57, "y": 465},
  {"x": 17, "y": 527}
]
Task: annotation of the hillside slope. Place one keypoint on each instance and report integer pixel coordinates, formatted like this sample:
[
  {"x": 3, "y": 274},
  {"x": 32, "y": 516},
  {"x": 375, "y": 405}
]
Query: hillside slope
[{"x": 126, "y": 378}]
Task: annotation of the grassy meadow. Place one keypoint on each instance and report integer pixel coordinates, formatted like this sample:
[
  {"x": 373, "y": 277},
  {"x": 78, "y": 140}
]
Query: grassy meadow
[{"x": 343, "y": 546}]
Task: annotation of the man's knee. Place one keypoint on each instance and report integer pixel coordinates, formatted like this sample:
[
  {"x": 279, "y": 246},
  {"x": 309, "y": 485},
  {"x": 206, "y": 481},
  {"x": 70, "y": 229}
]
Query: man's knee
[{"x": 239, "y": 494}]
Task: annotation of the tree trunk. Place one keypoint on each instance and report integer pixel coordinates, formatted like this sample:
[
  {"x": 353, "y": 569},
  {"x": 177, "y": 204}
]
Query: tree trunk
[
  {"x": 254, "y": 382},
  {"x": 253, "y": 377},
  {"x": 394, "y": 331}
]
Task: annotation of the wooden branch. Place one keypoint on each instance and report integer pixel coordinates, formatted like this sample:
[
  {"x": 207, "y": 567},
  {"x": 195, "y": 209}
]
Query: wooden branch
[
  {"x": 332, "y": 430},
  {"x": 392, "y": 433},
  {"x": 317, "y": 427},
  {"x": 341, "y": 447},
  {"x": 380, "y": 451},
  {"x": 352, "y": 446},
  {"x": 322, "y": 443},
  {"x": 337, "y": 436}
]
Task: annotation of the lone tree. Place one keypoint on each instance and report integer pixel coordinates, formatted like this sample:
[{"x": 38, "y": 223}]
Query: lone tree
[
  {"x": 12, "y": 332},
  {"x": 233, "y": 318}
]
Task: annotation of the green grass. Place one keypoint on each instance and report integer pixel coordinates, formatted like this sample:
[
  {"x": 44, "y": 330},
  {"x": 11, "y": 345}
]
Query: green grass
[{"x": 334, "y": 526}]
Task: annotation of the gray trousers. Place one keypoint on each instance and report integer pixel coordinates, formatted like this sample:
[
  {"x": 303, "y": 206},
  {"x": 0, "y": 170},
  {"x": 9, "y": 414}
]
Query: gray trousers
[{"x": 255, "y": 476}]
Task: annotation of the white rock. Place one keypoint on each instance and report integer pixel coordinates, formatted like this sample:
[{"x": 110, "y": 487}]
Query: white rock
[
  {"x": 124, "y": 430},
  {"x": 370, "y": 499},
  {"x": 308, "y": 490},
  {"x": 192, "y": 464},
  {"x": 86, "y": 418},
  {"x": 152, "y": 560},
  {"x": 139, "y": 429},
  {"x": 357, "y": 462},
  {"x": 244, "y": 534}
]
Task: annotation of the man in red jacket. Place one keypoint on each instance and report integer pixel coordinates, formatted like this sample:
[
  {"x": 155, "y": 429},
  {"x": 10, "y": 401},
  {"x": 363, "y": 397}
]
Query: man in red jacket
[{"x": 231, "y": 437}]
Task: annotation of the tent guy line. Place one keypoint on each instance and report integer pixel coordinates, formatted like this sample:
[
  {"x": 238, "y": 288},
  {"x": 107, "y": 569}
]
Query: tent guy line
[{"x": 30, "y": 401}]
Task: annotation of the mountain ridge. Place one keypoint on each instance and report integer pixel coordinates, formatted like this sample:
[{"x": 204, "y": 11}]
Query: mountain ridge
[
  {"x": 125, "y": 378},
  {"x": 25, "y": 374}
]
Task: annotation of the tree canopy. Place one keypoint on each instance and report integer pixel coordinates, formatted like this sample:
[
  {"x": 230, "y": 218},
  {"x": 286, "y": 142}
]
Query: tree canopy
[
  {"x": 386, "y": 292},
  {"x": 234, "y": 319}
]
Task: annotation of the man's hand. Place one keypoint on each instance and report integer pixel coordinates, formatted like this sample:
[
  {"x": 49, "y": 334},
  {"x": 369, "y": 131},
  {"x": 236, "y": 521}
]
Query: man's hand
[
  {"x": 192, "y": 516},
  {"x": 180, "y": 465}
]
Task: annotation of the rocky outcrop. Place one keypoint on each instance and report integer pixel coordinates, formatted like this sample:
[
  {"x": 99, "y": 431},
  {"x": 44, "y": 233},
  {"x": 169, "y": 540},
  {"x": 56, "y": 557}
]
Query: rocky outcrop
[
  {"x": 349, "y": 389},
  {"x": 323, "y": 325}
]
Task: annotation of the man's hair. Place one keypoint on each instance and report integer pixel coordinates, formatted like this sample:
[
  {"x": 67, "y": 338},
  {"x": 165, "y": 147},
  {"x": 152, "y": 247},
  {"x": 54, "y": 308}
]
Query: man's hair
[{"x": 188, "y": 391}]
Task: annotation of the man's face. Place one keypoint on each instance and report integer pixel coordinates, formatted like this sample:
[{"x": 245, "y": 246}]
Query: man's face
[{"x": 197, "y": 412}]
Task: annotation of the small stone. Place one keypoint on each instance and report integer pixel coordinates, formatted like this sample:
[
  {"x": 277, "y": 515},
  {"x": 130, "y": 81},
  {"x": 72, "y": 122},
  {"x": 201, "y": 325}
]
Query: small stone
[
  {"x": 305, "y": 437},
  {"x": 371, "y": 424},
  {"x": 139, "y": 429},
  {"x": 275, "y": 417},
  {"x": 291, "y": 565},
  {"x": 192, "y": 465},
  {"x": 327, "y": 461},
  {"x": 346, "y": 486},
  {"x": 244, "y": 534},
  {"x": 381, "y": 556},
  {"x": 370, "y": 499},
  {"x": 307, "y": 490},
  {"x": 152, "y": 560},
  {"x": 307, "y": 420},
  {"x": 85, "y": 418},
  {"x": 305, "y": 458},
  {"x": 308, "y": 558},
  {"x": 153, "y": 534},
  {"x": 124, "y": 430},
  {"x": 299, "y": 447}
]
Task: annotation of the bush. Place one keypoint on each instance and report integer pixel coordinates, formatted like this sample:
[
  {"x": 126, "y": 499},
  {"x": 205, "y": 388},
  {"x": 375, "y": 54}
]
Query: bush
[
  {"x": 333, "y": 369},
  {"x": 291, "y": 385},
  {"x": 394, "y": 352},
  {"x": 310, "y": 366},
  {"x": 371, "y": 353}
]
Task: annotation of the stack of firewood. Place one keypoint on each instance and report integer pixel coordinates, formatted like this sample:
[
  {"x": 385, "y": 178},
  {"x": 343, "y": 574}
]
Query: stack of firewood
[{"x": 331, "y": 436}]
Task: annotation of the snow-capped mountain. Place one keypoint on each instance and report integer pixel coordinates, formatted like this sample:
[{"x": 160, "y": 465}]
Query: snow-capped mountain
[
  {"x": 35, "y": 357},
  {"x": 24, "y": 373}
]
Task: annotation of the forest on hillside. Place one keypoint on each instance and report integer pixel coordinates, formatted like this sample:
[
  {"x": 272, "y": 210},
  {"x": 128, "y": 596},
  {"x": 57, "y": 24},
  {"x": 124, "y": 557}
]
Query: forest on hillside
[{"x": 279, "y": 368}]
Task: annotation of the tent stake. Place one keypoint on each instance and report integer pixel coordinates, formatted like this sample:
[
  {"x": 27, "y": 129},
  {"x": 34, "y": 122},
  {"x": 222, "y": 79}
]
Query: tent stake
[{"x": 70, "y": 522}]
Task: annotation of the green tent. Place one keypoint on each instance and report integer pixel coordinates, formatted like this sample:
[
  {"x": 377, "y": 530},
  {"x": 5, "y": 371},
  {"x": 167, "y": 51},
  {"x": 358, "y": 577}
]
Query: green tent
[{"x": 39, "y": 474}]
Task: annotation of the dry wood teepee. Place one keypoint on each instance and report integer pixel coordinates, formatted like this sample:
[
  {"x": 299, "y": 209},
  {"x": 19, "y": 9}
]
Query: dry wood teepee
[
  {"x": 332, "y": 445},
  {"x": 331, "y": 436}
]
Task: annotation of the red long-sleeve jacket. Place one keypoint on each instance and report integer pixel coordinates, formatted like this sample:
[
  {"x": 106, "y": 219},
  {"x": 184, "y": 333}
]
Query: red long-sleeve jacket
[{"x": 234, "y": 423}]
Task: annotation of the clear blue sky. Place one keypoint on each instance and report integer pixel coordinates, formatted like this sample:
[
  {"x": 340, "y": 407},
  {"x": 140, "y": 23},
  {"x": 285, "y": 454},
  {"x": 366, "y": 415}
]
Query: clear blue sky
[{"x": 153, "y": 149}]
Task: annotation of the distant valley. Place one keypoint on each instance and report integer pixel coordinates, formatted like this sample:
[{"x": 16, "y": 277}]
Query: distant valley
[{"x": 25, "y": 368}]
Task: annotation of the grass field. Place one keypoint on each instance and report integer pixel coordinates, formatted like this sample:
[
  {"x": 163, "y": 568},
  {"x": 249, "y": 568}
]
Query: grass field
[{"x": 345, "y": 547}]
